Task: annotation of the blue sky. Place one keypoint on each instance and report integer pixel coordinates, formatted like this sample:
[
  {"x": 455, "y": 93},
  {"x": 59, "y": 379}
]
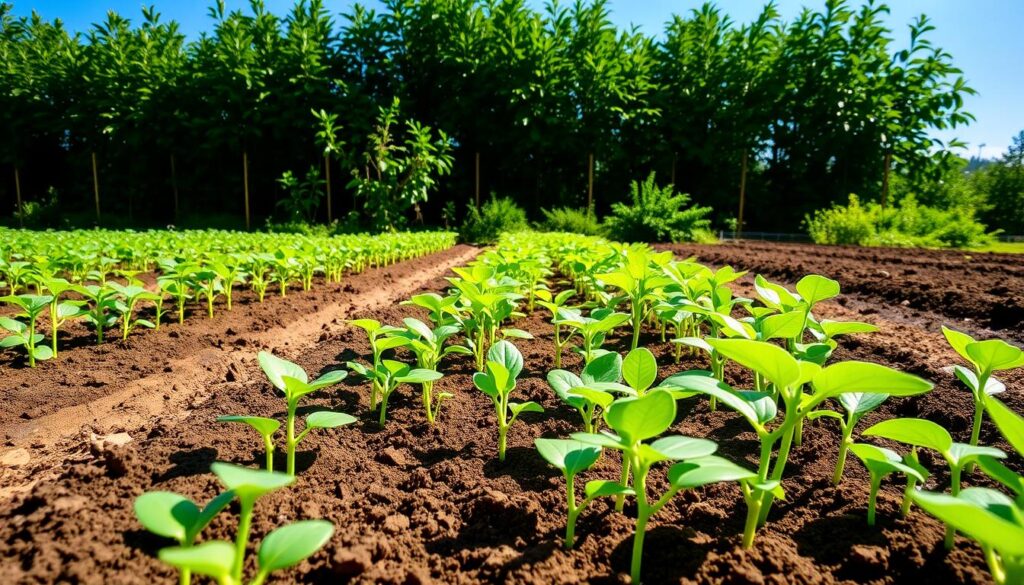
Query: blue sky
[{"x": 984, "y": 37}]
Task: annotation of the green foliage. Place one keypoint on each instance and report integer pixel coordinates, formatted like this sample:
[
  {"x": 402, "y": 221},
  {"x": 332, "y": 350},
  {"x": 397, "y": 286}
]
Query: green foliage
[
  {"x": 302, "y": 196},
  {"x": 498, "y": 381},
  {"x": 571, "y": 220},
  {"x": 657, "y": 214},
  {"x": 496, "y": 216},
  {"x": 908, "y": 223}
]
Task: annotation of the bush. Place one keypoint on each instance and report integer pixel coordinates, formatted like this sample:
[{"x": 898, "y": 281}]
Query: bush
[
  {"x": 906, "y": 224},
  {"x": 497, "y": 216},
  {"x": 658, "y": 214},
  {"x": 568, "y": 219},
  {"x": 43, "y": 214}
]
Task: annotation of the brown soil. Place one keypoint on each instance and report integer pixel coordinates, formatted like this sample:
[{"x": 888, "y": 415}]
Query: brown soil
[{"x": 421, "y": 504}]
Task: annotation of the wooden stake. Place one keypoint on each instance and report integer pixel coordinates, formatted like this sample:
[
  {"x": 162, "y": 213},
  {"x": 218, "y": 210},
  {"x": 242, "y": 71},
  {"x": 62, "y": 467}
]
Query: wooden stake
[
  {"x": 245, "y": 183},
  {"x": 174, "y": 186},
  {"x": 96, "y": 186},
  {"x": 674, "y": 157},
  {"x": 327, "y": 175},
  {"x": 590, "y": 183},
  {"x": 17, "y": 195},
  {"x": 885, "y": 179},
  {"x": 478, "y": 180},
  {"x": 743, "y": 194}
]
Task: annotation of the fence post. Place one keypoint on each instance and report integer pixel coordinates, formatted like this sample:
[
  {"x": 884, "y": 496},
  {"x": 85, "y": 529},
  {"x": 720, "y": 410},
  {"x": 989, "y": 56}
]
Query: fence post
[
  {"x": 327, "y": 177},
  {"x": 17, "y": 195},
  {"x": 96, "y": 186},
  {"x": 743, "y": 195},
  {"x": 245, "y": 182}
]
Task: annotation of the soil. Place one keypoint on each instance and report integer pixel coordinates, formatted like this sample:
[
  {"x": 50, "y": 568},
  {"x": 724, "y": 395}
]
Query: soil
[{"x": 415, "y": 503}]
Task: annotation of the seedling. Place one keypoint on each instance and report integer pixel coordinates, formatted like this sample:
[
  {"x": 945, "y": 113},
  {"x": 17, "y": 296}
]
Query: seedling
[
  {"x": 266, "y": 427},
  {"x": 207, "y": 285},
  {"x": 856, "y": 405},
  {"x": 259, "y": 274},
  {"x": 25, "y": 333},
  {"x": 174, "y": 516},
  {"x": 382, "y": 338},
  {"x": 230, "y": 273},
  {"x": 924, "y": 433},
  {"x": 178, "y": 281},
  {"x": 592, "y": 388},
  {"x": 554, "y": 304},
  {"x": 639, "y": 282},
  {"x": 985, "y": 357},
  {"x": 388, "y": 375},
  {"x": 881, "y": 462},
  {"x": 130, "y": 296},
  {"x": 592, "y": 329},
  {"x": 571, "y": 458},
  {"x": 101, "y": 307},
  {"x": 60, "y": 312},
  {"x": 488, "y": 303},
  {"x": 428, "y": 345},
  {"x": 504, "y": 364},
  {"x": 294, "y": 383}
]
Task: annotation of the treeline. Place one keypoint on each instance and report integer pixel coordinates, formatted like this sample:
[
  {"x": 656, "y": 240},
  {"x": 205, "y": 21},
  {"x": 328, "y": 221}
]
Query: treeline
[{"x": 544, "y": 103}]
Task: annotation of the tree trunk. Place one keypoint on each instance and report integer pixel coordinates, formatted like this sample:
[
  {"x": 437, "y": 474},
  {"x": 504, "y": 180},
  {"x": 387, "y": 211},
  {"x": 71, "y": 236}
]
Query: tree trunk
[
  {"x": 885, "y": 179},
  {"x": 17, "y": 196},
  {"x": 590, "y": 183},
  {"x": 174, "y": 187},
  {"x": 327, "y": 182},
  {"x": 743, "y": 194},
  {"x": 245, "y": 184},
  {"x": 96, "y": 186},
  {"x": 477, "y": 180}
]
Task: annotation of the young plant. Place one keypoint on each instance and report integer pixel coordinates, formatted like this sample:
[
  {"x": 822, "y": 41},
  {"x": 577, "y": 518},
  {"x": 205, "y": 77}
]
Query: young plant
[
  {"x": 177, "y": 280},
  {"x": 229, "y": 271},
  {"x": 174, "y": 516},
  {"x": 881, "y": 462},
  {"x": 60, "y": 312},
  {"x": 131, "y": 296},
  {"x": 986, "y": 358},
  {"x": 571, "y": 458},
  {"x": 294, "y": 383},
  {"x": 554, "y": 305},
  {"x": 592, "y": 388},
  {"x": 786, "y": 376},
  {"x": 428, "y": 345},
  {"x": 382, "y": 338},
  {"x": 25, "y": 333},
  {"x": 924, "y": 433},
  {"x": 266, "y": 427},
  {"x": 488, "y": 303},
  {"x": 100, "y": 307},
  {"x": 856, "y": 405},
  {"x": 281, "y": 548},
  {"x": 639, "y": 279},
  {"x": 207, "y": 284},
  {"x": 504, "y": 364},
  {"x": 592, "y": 329},
  {"x": 388, "y": 375}
]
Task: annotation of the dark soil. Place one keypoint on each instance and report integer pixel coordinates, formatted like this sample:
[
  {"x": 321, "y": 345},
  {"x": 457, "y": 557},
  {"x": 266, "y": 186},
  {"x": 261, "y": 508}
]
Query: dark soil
[{"x": 419, "y": 504}]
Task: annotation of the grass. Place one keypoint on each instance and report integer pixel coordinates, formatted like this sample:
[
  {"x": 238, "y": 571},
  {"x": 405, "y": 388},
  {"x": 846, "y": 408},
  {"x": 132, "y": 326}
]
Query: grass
[{"x": 1002, "y": 248}]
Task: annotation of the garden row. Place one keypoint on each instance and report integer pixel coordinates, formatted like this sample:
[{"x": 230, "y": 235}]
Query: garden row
[{"x": 781, "y": 376}]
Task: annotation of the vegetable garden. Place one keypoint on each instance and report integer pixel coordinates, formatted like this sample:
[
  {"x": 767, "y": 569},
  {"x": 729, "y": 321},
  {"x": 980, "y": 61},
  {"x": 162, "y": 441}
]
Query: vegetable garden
[{"x": 556, "y": 408}]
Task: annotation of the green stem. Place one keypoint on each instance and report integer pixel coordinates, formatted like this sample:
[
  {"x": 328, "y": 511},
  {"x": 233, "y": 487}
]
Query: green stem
[
  {"x": 383, "y": 408},
  {"x": 573, "y": 511},
  {"x": 641, "y": 526},
  {"x": 290, "y": 441},
  {"x": 876, "y": 482},
  {"x": 779, "y": 468},
  {"x": 185, "y": 577},
  {"x": 244, "y": 524},
  {"x": 753, "y": 513},
  {"x": 268, "y": 444},
  {"x": 502, "y": 438},
  {"x": 620, "y": 500},
  {"x": 637, "y": 323},
  {"x": 428, "y": 401},
  {"x": 53, "y": 326},
  {"x": 558, "y": 347},
  {"x": 844, "y": 447}
]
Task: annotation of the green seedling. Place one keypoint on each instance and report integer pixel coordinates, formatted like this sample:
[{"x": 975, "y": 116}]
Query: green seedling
[
  {"x": 504, "y": 364},
  {"x": 292, "y": 380},
  {"x": 488, "y": 302},
  {"x": 174, "y": 516},
  {"x": 177, "y": 280},
  {"x": 382, "y": 338},
  {"x": 266, "y": 427},
  {"x": 24, "y": 334},
  {"x": 856, "y": 405},
  {"x": 60, "y": 312},
  {"x": 442, "y": 309},
  {"x": 100, "y": 307},
  {"x": 929, "y": 435},
  {"x": 208, "y": 285},
  {"x": 986, "y": 358},
  {"x": 388, "y": 375},
  {"x": 881, "y": 462},
  {"x": 428, "y": 345},
  {"x": 640, "y": 279},
  {"x": 229, "y": 272},
  {"x": 592, "y": 389},
  {"x": 592, "y": 329},
  {"x": 131, "y": 296},
  {"x": 554, "y": 304},
  {"x": 283, "y": 269},
  {"x": 571, "y": 458},
  {"x": 787, "y": 376},
  {"x": 259, "y": 274}
]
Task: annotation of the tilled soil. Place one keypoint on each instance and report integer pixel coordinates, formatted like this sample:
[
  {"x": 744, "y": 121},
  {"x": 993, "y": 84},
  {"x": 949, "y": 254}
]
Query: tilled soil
[{"x": 419, "y": 504}]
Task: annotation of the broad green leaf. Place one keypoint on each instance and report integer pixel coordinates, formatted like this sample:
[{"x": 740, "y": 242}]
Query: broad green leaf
[
  {"x": 42, "y": 352},
  {"x": 621, "y": 280},
  {"x": 517, "y": 408},
  {"x": 771, "y": 361},
  {"x": 368, "y": 325},
  {"x": 706, "y": 470},
  {"x": 598, "y": 397},
  {"x": 210, "y": 511},
  {"x": 993, "y": 355},
  {"x": 420, "y": 375},
  {"x": 679, "y": 447},
  {"x": 214, "y": 558},
  {"x": 963, "y": 453},
  {"x": 970, "y": 379},
  {"x": 506, "y": 354},
  {"x": 636, "y": 419},
  {"x": 881, "y": 461},
  {"x": 607, "y": 368},
  {"x": 326, "y": 419},
  {"x": 513, "y": 333},
  {"x": 276, "y": 369},
  {"x": 602, "y": 439},
  {"x": 773, "y": 295},
  {"x": 782, "y": 326},
  {"x": 391, "y": 343},
  {"x": 815, "y": 288},
  {"x": 958, "y": 341},
  {"x": 289, "y": 545},
  {"x": 264, "y": 426},
  {"x": 640, "y": 369},
  {"x": 562, "y": 381},
  {"x": 1009, "y": 423},
  {"x": 697, "y": 342},
  {"x": 764, "y": 404},
  {"x": 419, "y": 327},
  {"x": 837, "y": 328},
  {"x": 974, "y": 520},
  {"x": 166, "y": 514},
  {"x": 486, "y": 383},
  {"x": 600, "y": 488},
  {"x": 1001, "y": 473},
  {"x": 706, "y": 384},
  {"x": 854, "y": 376},
  {"x": 570, "y": 456},
  {"x": 861, "y": 402},
  {"x": 913, "y": 431},
  {"x": 249, "y": 483}
]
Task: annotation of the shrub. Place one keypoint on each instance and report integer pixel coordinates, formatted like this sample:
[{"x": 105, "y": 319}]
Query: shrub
[
  {"x": 568, "y": 219},
  {"x": 658, "y": 214},
  {"x": 485, "y": 225},
  {"x": 907, "y": 223}
]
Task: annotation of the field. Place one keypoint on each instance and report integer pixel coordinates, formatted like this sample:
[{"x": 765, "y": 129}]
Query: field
[{"x": 413, "y": 502}]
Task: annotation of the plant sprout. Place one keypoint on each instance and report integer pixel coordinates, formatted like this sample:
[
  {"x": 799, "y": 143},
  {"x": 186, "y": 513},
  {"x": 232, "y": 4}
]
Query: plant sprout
[
  {"x": 504, "y": 363},
  {"x": 591, "y": 389},
  {"x": 60, "y": 312},
  {"x": 428, "y": 345},
  {"x": 881, "y": 462},
  {"x": 388, "y": 375},
  {"x": 570, "y": 457},
  {"x": 131, "y": 295},
  {"x": 382, "y": 338},
  {"x": 592, "y": 329},
  {"x": 856, "y": 405},
  {"x": 25, "y": 333},
  {"x": 640, "y": 283},
  {"x": 554, "y": 305},
  {"x": 266, "y": 427}
]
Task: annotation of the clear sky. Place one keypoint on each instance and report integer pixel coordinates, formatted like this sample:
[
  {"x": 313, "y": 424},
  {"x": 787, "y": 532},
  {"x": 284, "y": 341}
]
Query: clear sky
[{"x": 985, "y": 37}]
